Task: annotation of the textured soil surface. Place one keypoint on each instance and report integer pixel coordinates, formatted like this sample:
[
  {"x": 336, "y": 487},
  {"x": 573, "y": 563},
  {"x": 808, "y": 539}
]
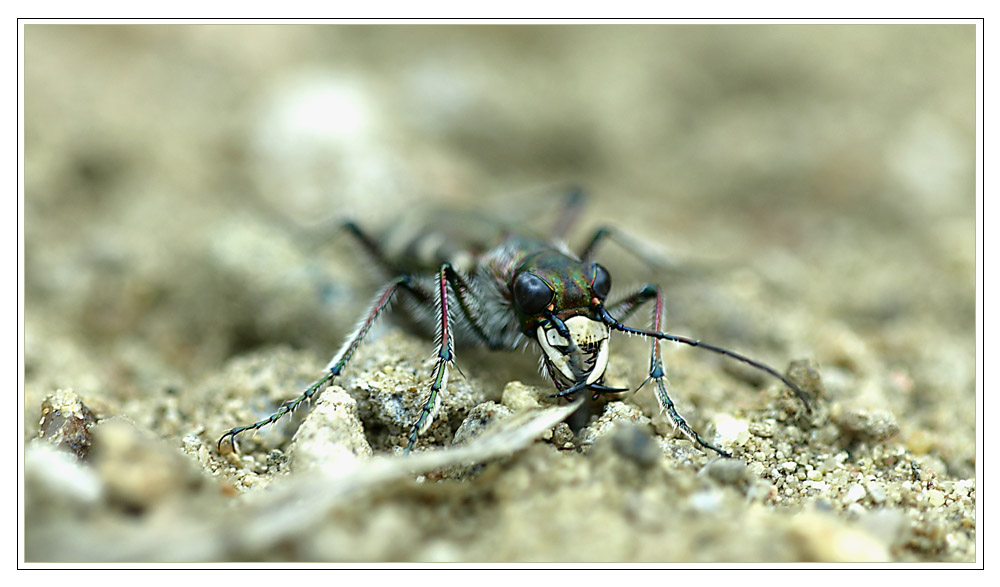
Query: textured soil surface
[{"x": 805, "y": 193}]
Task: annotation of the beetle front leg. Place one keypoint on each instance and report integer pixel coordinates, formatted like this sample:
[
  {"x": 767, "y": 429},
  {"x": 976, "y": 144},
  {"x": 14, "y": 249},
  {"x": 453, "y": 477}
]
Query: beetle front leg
[
  {"x": 445, "y": 355},
  {"x": 656, "y": 371}
]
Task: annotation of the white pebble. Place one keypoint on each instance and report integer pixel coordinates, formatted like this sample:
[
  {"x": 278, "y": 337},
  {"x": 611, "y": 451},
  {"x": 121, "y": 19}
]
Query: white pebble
[
  {"x": 731, "y": 431},
  {"x": 855, "y": 493}
]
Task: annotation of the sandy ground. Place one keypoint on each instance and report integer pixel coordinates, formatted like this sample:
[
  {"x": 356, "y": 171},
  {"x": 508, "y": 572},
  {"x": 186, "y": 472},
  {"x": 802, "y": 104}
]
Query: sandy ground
[{"x": 814, "y": 186}]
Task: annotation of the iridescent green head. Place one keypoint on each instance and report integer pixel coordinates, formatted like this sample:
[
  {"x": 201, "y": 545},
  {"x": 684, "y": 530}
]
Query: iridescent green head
[{"x": 556, "y": 298}]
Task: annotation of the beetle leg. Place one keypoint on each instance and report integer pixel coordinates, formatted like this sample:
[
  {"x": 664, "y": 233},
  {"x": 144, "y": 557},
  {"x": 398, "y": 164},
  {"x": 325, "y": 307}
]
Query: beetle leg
[
  {"x": 336, "y": 364},
  {"x": 575, "y": 201},
  {"x": 642, "y": 251},
  {"x": 627, "y": 306},
  {"x": 445, "y": 355},
  {"x": 656, "y": 371},
  {"x": 469, "y": 305},
  {"x": 375, "y": 250}
]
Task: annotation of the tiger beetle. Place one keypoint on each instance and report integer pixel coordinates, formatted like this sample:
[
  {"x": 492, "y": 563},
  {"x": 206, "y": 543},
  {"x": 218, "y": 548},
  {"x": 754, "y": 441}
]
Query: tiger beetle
[{"x": 494, "y": 286}]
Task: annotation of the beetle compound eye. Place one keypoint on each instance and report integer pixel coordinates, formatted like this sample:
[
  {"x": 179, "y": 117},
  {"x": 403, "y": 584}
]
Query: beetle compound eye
[
  {"x": 600, "y": 282},
  {"x": 531, "y": 293}
]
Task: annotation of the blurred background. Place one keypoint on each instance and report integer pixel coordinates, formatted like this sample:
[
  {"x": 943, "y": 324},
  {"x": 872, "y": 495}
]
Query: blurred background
[{"x": 820, "y": 177}]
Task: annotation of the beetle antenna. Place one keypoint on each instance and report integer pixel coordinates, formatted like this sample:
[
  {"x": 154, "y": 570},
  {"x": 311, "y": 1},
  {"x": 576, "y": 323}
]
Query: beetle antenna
[{"x": 613, "y": 323}]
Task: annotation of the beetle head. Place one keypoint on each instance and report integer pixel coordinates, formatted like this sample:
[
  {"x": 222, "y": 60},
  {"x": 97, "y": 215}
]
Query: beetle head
[{"x": 556, "y": 298}]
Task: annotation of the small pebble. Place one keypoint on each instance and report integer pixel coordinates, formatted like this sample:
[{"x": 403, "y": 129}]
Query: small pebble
[
  {"x": 817, "y": 485},
  {"x": 66, "y": 422},
  {"x": 877, "y": 492},
  {"x": 519, "y": 397},
  {"x": 562, "y": 436},
  {"x": 824, "y": 538},
  {"x": 871, "y": 425},
  {"x": 806, "y": 373},
  {"x": 635, "y": 443},
  {"x": 727, "y": 471},
  {"x": 331, "y": 438},
  {"x": 731, "y": 431},
  {"x": 855, "y": 493}
]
